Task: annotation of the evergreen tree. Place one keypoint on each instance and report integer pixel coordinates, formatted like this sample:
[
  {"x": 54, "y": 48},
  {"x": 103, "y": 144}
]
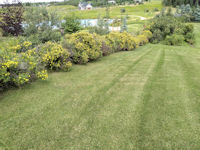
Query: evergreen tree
[
  {"x": 191, "y": 2},
  {"x": 124, "y": 24},
  {"x": 197, "y": 14},
  {"x": 181, "y": 2},
  {"x": 107, "y": 11}
]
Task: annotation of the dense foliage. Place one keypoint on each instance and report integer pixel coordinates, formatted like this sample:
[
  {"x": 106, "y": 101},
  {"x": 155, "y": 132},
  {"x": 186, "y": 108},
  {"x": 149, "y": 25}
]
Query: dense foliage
[
  {"x": 24, "y": 62},
  {"x": 19, "y": 65},
  {"x": 121, "y": 41},
  {"x": 163, "y": 26},
  {"x": 95, "y": 3},
  {"x": 40, "y": 25},
  {"x": 54, "y": 57},
  {"x": 174, "y": 39},
  {"x": 84, "y": 47},
  {"x": 69, "y": 2},
  {"x": 71, "y": 24},
  {"x": 187, "y": 13},
  {"x": 11, "y": 17},
  {"x": 102, "y": 27},
  {"x": 180, "y": 2}
]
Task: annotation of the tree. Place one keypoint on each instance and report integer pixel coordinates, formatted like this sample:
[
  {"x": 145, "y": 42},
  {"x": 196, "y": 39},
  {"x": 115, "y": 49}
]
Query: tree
[
  {"x": 181, "y": 2},
  {"x": 197, "y": 14},
  {"x": 124, "y": 24},
  {"x": 71, "y": 24},
  {"x": 11, "y": 18},
  {"x": 107, "y": 12},
  {"x": 41, "y": 25}
]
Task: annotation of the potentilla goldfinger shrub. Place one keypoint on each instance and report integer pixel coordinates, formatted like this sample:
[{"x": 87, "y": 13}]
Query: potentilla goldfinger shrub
[
  {"x": 148, "y": 34},
  {"x": 142, "y": 39},
  {"x": 105, "y": 46},
  {"x": 121, "y": 41},
  {"x": 137, "y": 41},
  {"x": 21, "y": 47},
  {"x": 18, "y": 68},
  {"x": 54, "y": 57},
  {"x": 84, "y": 46}
]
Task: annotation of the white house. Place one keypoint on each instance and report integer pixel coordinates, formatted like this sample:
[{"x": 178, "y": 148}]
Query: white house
[
  {"x": 111, "y": 2},
  {"x": 89, "y": 7},
  {"x": 138, "y": 1},
  {"x": 85, "y": 6}
]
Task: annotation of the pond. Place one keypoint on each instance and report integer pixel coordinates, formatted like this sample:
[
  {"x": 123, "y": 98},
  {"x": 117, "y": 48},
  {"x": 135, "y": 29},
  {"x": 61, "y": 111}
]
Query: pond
[
  {"x": 92, "y": 22},
  {"x": 84, "y": 23}
]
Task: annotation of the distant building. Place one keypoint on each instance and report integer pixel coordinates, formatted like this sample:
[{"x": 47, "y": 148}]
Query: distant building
[
  {"x": 111, "y": 2},
  {"x": 85, "y": 6},
  {"x": 138, "y": 1}
]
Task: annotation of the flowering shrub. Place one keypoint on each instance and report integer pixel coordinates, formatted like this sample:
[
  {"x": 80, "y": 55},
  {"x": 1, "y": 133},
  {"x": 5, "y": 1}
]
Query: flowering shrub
[
  {"x": 106, "y": 48},
  {"x": 54, "y": 57},
  {"x": 20, "y": 64},
  {"x": 22, "y": 47},
  {"x": 148, "y": 34},
  {"x": 142, "y": 39},
  {"x": 137, "y": 41},
  {"x": 84, "y": 47},
  {"x": 17, "y": 68},
  {"x": 121, "y": 41},
  {"x": 42, "y": 74}
]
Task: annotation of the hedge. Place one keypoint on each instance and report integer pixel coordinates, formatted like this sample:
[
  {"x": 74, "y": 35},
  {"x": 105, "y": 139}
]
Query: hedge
[{"x": 23, "y": 63}]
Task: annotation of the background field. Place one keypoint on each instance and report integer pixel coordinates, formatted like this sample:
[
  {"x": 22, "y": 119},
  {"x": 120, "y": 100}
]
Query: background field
[
  {"x": 143, "y": 99},
  {"x": 137, "y": 14},
  {"x": 132, "y": 10}
]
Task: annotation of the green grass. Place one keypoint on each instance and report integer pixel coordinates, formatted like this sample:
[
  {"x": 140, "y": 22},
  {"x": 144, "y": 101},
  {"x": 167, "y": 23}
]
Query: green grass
[
  {"x": 143, "y": 99},
  {"x": 132, "y": 10},
  {"x": 134, "y": 13}
]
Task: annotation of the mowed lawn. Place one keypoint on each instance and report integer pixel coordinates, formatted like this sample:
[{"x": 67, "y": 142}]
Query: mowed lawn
[{"x": 143, "y": 99}]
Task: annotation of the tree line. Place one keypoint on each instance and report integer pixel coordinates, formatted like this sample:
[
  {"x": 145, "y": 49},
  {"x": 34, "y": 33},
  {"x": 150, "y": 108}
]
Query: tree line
[
  {"x": 181, "y": 2},
  {"x": 95, "y": 2}
]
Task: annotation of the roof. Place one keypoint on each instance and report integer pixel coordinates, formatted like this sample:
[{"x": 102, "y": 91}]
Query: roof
[{"x": 84, "y": 4}]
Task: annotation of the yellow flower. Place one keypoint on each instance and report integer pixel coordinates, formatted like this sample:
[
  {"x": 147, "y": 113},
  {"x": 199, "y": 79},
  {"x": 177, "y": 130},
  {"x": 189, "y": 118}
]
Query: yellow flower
[{"x": 27, "y": 44}]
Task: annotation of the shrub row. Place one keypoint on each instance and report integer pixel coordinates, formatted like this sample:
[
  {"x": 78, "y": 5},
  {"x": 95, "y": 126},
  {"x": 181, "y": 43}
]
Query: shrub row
[
  {"x": 85, "y": 47},
  {"x": 21, "y": 64}
]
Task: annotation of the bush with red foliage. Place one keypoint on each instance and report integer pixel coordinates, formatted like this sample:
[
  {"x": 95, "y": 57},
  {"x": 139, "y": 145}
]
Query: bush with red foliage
[{"x": 11, "y": 18}]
